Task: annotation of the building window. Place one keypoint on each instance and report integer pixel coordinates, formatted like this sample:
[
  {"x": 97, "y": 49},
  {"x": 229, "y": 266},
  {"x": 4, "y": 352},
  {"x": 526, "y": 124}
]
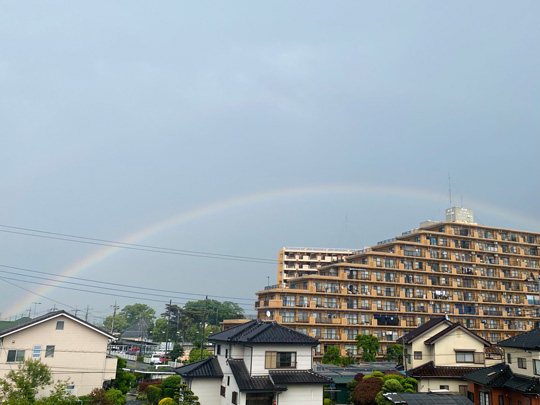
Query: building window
[
  {"x": 484, "y": 398},
  {"x": 49, "y": 351},
  {"x": 218, "y": 349},
  {"x": 36, "y": 353},
  {"x": 234, "y": 397},
  {"x": 522, "y": 363},
  {"x": 464, "y": 357},
  {"x": 59, "y": 325},
  {"x": 444, "y": 387},
  {"x": 280, "y": 360},
  {"x": 222, "y": 391},
  {"x": 418, "y": 355},
  {"x": 15, "y": 356},
  {"x": 509, "y": 358},
  {"x": 501, "y": 400},
  {"x": 536, "y": 367}
]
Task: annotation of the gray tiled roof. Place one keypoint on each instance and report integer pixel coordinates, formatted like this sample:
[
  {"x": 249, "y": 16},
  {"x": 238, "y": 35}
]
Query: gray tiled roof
[
  {"x": 53, "y": 314},
  {"x": 528, "y": 341},
  {"x": 412, "y": 335},
  {"x": 298, "y": 377},
  {"x": 452, "y": 327},
  {"x": 248, "y": 383},
  {"x": 501, "y": 376},
  {"x": 263, "y": 332},
  {"x": 207, "y": 368},
  {"x": 427, "y": 398}
]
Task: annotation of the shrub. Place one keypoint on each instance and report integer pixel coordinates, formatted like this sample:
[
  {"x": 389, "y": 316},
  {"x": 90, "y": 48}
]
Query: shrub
[
  {"x": 170, "y": 386},
  {"x": 153, "y": 393},
  {"x": 397, "y": 377},
  {"x": 359, "y": 377},
  {"x": 98, "y": 396},
  {"x": 167, "y": 401},
  {"x": 116, "y": 397},
  {"x": 392, "y": 386},
  {"x": 143, "y": 385},
  {"x": 366, "y": 390}
]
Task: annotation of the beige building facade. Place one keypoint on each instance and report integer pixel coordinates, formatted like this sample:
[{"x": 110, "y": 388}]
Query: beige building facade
[
  {"x": 485, "y": 278},
  {"x": 74, "y": 350}
]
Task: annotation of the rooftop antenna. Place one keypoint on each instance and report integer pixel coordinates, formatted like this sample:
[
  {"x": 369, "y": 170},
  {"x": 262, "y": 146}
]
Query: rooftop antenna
[{"x": 449, "y": 190}]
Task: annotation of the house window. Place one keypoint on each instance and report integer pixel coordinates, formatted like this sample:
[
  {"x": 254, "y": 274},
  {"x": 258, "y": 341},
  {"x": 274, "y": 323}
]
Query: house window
[
  {"x": 15, "y": 356},
  {"x": 536, "y": 366},
  {"x": 36, "y": 353},
  {"x": 464, "y": 357},
  {"x": 222, "y": 391},
  {"x": 218, "y": 349},
  {"x": 280, "y": 360},
  {"x": 444, "y": 387},
  {"x": 49, "y": 351},
  {"x": 234, "y": 397},
  {"x": 59, "y": 325},
  {"x": 418, "y": 355},
  {"x": 484, "y": 398},
  {"x": 501, "y": 400},
  {"x": 522, "y": 363},
  {"x": 509, "y": 358}
]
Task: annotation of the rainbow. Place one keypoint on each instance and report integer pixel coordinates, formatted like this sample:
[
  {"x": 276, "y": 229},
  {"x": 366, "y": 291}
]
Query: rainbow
[{"x": 256, "y": 198}]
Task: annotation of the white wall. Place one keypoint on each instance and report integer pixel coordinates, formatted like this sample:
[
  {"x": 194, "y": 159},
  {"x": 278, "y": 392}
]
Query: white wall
[
  {"x": 302, "y": 395},
  {"x": 303, "y": 357},
  {"x": 207, "y": 389}
]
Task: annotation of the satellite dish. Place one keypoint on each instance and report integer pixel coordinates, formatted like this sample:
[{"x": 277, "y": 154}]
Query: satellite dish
[{"x": 268, "y": 314}]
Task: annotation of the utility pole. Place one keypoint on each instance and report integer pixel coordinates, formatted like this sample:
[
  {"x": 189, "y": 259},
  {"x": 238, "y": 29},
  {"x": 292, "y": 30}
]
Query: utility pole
[
  {"x": 115, "y": 307},
  {"x": 86, "y": 316},
  {"x": 35, "y": 306},
  {"x": 167, "y": 330},
  {"x": 203, "y": 326}
]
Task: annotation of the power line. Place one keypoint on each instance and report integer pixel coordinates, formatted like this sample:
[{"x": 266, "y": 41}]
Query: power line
[
  {"x": 133, "y": 246},
  {"x": 145, "y": 289},
  {"x": 96, "y": 292}
]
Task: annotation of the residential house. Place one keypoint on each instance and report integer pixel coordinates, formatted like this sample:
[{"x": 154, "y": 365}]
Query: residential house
[
  {"x": 257, "y": 363},
  {"x": 440, "y": 352},
  {"x": 514, "y": 382},
  {"x": 74, "y": 349}
]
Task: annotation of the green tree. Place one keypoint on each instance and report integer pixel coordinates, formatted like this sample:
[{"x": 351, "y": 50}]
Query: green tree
[
  {"x": 22, "y": 385},
  {"x": 369, "y": 345},
  {"x": 390, "y": 385},
  {"x": 124, "y": 380},
  {"x": 134, "y": 313},
  {"x": 186, "y": 396},
  {"x": 176, "y": 352},
  {"x": 171, "y": 385},
  {"x": 195, "y": 354},
  {"x": 332, "y": 356},
  {"x": 59, "y": 395},
  {"x": 116, "y": 397},
  {"x": 395, "y": 353},
  {"x": 120, "y": 323}
]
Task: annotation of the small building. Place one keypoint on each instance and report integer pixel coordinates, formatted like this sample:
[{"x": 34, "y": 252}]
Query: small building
[
  {"x": 257, "y": 363},
  {"x": 513, "y": 382},
  {"x": 439, "y": 352},
  {"x": 73, "y": 349}
]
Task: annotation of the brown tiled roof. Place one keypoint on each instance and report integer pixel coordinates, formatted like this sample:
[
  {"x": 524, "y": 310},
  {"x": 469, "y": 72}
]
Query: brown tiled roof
[{"x": 430, "y": 370}]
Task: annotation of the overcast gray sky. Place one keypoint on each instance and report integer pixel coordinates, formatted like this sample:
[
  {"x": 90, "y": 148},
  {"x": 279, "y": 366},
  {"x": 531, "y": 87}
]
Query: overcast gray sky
[{"x": 238, "y": 128}]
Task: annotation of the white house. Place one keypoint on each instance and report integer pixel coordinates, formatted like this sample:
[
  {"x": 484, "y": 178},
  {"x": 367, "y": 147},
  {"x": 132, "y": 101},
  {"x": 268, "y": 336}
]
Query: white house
[
  {"x": 75, "y": 350},
  {"x": 439, "y": 352},
  {"x": 257, "y": 363}
]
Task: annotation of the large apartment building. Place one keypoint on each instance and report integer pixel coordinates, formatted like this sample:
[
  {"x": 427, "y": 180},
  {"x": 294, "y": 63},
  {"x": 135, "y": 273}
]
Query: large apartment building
[{"x": 485, "y": 278}]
